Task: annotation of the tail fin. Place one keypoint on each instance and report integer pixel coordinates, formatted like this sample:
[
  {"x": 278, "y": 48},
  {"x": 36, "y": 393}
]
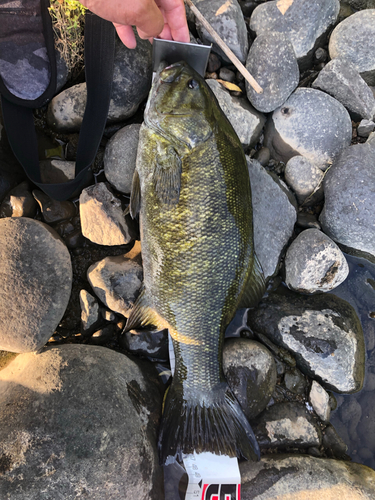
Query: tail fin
[{"x": 213, "y": 422}]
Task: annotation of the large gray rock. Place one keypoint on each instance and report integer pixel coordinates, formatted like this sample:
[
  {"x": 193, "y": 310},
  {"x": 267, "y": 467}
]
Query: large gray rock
[
  {"x": 310, "y": 123},
  {"x": 274, "y": 217},
  {"x": 131, "y": 83},
  {"x": 354, "y": 39},
  {"x": 36, "y": 280},
  {"x": 246, "y": 121},
  {"x": 341, "y": 80},
  {"x": 349, "y": 186},
  {"x": 322, "y": 331},
  {"x": 305, "y": 179},
  {"x": 228, "y": 21},
  {"x": 304, "y": 22},
  {"x": 120, "y": 156},
  {"x": 314, "y": 263},
  {"x": 79, "y": 421},
  {"x": 250, "y": 371},
  {"x": 305, "y": 478},
  {"x": 273, "y": 64}
]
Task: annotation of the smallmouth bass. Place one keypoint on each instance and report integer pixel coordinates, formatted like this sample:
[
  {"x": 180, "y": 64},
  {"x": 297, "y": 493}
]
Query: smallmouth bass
[{"x": 191, "y": 187}]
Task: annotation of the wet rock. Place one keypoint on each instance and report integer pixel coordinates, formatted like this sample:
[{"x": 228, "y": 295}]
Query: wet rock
[
  {"x": 304, "y": 178},
  {"x": 102, "y": 217},
  {"x": 227, "y": 20},
  {"x": 120, "y": 156},
  {"x": 70, "y": 408},
  {"x": 348, "y": 212},
  {"x": 365, "y": 128},
  {"x": 304, "y": 22},
  {"x": 273, "y": 64},
  {"x": 341, "y": 80},
  {"x": 322, "y": 332},
  {"x": 314, "y": 263},
  {"x": 131, "y": 83},
  {"x": 246, "y": 121},
  {"x": 333, "y": 443},
  {"x": 250, "y": 371},
  {"x": 303, "y": 477},
  {"x": 57, "y": 171},
  {"x": 310, "y": 123},
  {"x": 353, "y": 39},
  {"x": 146, "y": 343},
  {"x": 319, "y": 400},
  {"x": 116, "y": 281},
  {"x": 295, "y": 381},
  {"x": 19, "y": 202},
  {"x": 89, "y": 310},
  {"x": 53, "y": 210},
  {"x": 273, "y": 216},
  {"x": 36, "y": 280},
  {"x": 350, "y": 414},
  {"x": 287, "y": 424}
]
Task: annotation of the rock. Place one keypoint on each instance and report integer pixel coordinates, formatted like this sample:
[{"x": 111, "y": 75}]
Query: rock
[
  {"x": 227, "y": 20},
  {"x": 89, "y": 310},
  {"x": 314, "y": 263},
  {"x": 350, "y": 414},
  {"x": 146, "y": 343},
  {"x": 321, "y": 55},
  {"x": 131, "y": 83},
  {"x": 273, "y": 64},
  {"x": 310, "y": 123},
  {"x": 332, "y": 442},
  {"x": 295, "y": 381},
  {"x": 322, "y": 331},
  {"x": 19, "y": 202},
  {"x": 120, "y": 156},
  {"x": 365, "y": 128},
  {"x": 362, "y": 4},
  {"x": 349, "y": 187},
  {"x": 353, "y": 40},
  {"x": 214, "y": 63},
  {"x": 250, "y": 371},
  {"x": 304, "y": 178},
  {"x": 307, "y": 221},
  {"x": 238, "y": 326},
  {"x": 263, "y": 156},
  {"x": 304, "y": 22},
  {"x": 227, "y": 75},
  {"x": 287, "y": 424},
  {"x": 273, "y": 217},
  {"x": 341, "y": 80},
  {"x": 246, "y": 121},
  {"x": 53, "y": 210},
  {"x": 56, "y": 171},
  {"x": 301, "y": 477},
  {"x": 36, "y": 280},
  {"x": 10, "y": 176},
  {"x": 71, "y": 408},
  {"x": 116, "y": 281},
  {"x": 102, "y": 218},
  {"x": 319, "y": 400},
  {"x": 104, "y": 335}
]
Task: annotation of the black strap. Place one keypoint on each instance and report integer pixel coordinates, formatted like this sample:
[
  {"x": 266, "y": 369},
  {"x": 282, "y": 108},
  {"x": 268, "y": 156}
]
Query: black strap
[{"x": 19, "y": 121}]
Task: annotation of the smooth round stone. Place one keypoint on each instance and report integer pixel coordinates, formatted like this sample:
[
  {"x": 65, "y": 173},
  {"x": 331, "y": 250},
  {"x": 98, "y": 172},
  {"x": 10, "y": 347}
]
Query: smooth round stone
[
  {"x": 36, "y": 280},
  {"x": 79, "y": 421},
  {"x": 227, "y": 75},
  {"x": 314, "y": 263},
  {"x": 273, "y": 64},
  {"x": 19, "y": 202},
  {"x": 319, "y": 400},
  {"x": 310, "y": 123},
  {"x": 263, "y": 156},
  {"x": 120, "y": 157},
  {"x": 365, "y": 128},
  {"x": 53, "y": 210},
  {"x": 250, "y": 371},
  {"x": 303, "y": 177},
  {"x": 354, "y": 39}
]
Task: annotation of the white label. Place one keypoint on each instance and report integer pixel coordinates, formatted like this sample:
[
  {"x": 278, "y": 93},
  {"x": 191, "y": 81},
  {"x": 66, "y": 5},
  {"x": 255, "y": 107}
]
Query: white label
[{"x": 212, "y": 477}]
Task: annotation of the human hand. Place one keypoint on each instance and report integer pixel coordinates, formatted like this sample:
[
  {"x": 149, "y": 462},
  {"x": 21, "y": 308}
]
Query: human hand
[{"x": 163, "y": 18}]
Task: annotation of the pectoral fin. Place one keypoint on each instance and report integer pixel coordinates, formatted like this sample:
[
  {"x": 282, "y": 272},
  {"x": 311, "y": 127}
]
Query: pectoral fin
[
  {"x": 135, "y": 197},
  {"x": 254, "y": 287},
  {"x": 167, "y": 175}
]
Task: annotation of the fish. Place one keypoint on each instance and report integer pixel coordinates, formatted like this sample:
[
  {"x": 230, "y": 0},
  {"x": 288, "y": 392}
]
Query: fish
[{"x": 191, "y": 189}]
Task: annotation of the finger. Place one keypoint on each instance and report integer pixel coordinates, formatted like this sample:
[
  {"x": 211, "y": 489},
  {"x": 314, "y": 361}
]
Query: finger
[
  {"x": 126, "y": 35},
  {"x": 175, "y": 16},
  {"x": 166, "y": 33},
  {"x": 149, "y": 20}
]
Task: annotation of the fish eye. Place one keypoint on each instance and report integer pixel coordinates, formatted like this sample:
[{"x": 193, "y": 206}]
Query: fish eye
[{"x": 193, "y": 84}]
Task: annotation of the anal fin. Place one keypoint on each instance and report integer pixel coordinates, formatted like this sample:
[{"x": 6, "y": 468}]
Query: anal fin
[
  {"x": 143, "y": 314},
  {"x": 254, "y": 287}
]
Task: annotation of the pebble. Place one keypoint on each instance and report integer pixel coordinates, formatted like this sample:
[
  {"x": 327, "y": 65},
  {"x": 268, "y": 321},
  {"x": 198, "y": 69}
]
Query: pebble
[
  {"x": 214, "y": 63},
  {"x": 274, "y": 217},
  {"x": 307, "y": 221},
  {"x": 341, "y": 80},
  {"x": 273, "y": 64},
  {"x": 53, "y": 210},
  {"x": 120, "y": 157},
  {"x": 246, "y": 121},
  {"x": 319, "y": 400},
  {"x": 321, "y": 55},
  {"x": 251, "y": 374},
  {"x": 314, "y": 263},
  {"x": 19, "y": 202},
  {"x": 333, "y": 443},
  {"x": 310, "y": 123},
  {"x": 322, "y": 332},
  {"x": 89, "y": 310},
  {"x": 365, "y": 128},
  {"x": 57, "y": 171},
  {"x": 295, "y": 381},
  {"x": 263, "y": 156},
  {"x": 227, "y": 75},
  {"x": 36, "y": 281},
  {"x": 304, "y": 178},
  {"x": 353, "y": 40},
  {"x": 102, "y": 218}
]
